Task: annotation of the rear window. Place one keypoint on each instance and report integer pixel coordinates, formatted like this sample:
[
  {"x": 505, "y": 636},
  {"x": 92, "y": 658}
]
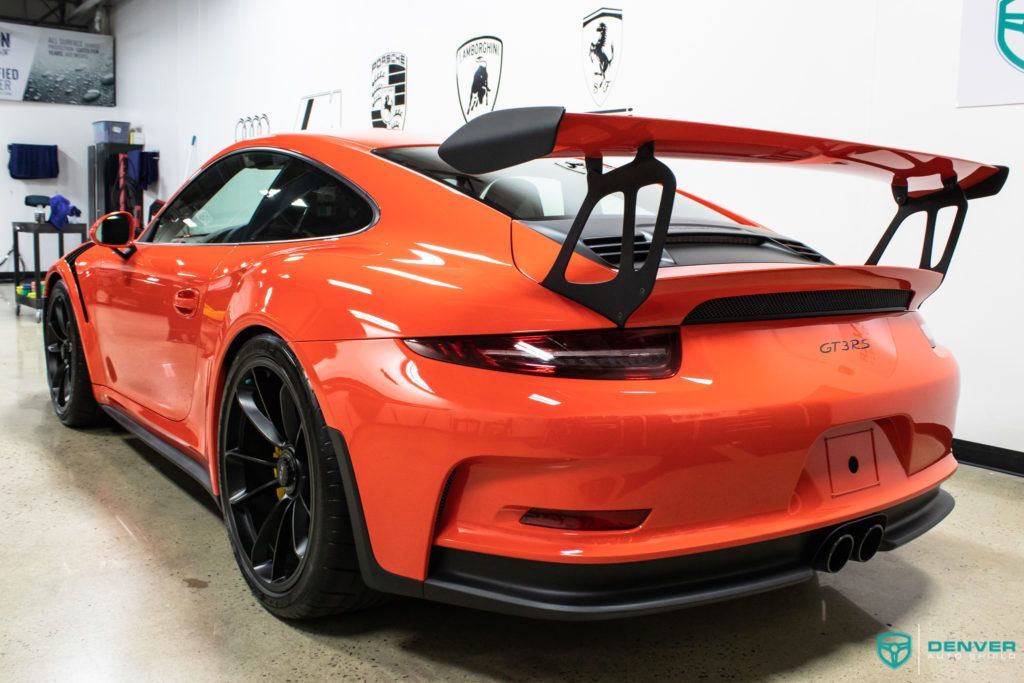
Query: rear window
[
  {"x": 546, "y": 194},
  {"x": 545, "y": 190}
]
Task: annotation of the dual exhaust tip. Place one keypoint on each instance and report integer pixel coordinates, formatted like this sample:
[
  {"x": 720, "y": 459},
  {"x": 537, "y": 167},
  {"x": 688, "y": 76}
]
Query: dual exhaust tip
[{"x": 859, "y": 541}]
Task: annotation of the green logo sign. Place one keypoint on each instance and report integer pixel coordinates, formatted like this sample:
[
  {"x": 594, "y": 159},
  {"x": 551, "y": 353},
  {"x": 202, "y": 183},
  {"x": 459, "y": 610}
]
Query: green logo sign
[
  {"x": 893, "y": 648},
  {"x": 1010, "y": 33}
]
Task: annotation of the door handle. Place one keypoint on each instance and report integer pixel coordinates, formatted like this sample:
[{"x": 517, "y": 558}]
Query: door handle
[{"x": 186, "y": 301}]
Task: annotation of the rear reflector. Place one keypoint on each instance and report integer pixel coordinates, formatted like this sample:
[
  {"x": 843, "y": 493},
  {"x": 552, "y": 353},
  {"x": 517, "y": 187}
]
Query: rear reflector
[
  {"x": 597, "y": 354},
  {"x": 585, "y": 520}
]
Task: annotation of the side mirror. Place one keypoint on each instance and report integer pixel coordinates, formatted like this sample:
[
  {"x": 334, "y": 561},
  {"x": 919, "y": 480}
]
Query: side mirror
[{"x": 115, "y": 230}]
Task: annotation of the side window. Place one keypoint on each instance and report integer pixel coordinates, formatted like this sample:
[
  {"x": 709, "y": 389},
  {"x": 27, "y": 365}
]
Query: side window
[
  {"x": 218, "y": 205},
  {"x": 262, "y": 197},
  {"x": 305, "y": 202}
]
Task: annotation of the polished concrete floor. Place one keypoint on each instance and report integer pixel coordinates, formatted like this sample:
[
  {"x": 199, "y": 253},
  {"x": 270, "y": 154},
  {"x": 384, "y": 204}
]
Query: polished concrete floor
[{"x": 114, "y": 567}]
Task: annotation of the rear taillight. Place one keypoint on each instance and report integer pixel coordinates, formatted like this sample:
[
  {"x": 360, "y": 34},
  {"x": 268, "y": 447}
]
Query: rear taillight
[{"x": 598, "y": 354}]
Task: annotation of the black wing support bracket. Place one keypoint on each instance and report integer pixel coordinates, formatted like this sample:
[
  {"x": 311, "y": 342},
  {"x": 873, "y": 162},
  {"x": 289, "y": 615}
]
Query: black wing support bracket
[
  {"x": 951, "y": 195},
  {"x": 617, "y": 298}
]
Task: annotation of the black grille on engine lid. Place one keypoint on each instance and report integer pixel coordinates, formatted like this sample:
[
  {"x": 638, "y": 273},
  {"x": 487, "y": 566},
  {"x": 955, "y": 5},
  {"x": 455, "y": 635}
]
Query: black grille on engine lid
[
  {"x": 780, "y": 305},
  {"x": 610, "y": 248}
]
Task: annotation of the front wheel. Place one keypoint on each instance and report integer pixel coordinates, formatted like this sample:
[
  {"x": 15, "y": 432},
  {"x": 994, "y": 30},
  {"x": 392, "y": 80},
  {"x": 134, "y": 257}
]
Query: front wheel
[
  {"x": 66, "y": 372},
  {"x": 281, "y": 489}
]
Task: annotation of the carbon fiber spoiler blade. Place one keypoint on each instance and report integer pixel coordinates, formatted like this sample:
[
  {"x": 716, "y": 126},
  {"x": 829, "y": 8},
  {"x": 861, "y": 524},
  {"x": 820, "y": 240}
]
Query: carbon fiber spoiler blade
[{"x": 920, "y": 182}]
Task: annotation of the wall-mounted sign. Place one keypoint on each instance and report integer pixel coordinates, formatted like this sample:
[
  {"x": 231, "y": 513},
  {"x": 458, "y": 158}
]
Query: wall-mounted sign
[
  {"x": 477, "y": 75},
  {"x": 389, "y": 74},
  {"x": 57, "y": 67},
  {"x": 602, "y": 51},
  {"x": 991, "y": 53}
]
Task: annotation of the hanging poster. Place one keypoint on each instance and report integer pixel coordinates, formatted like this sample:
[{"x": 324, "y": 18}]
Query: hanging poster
[{"x": 57, "y": 67}]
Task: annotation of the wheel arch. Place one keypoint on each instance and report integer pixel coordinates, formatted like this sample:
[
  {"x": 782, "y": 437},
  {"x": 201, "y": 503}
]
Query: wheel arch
[
  {"x": 216, "y": 391},
  {"x": 61, "y": 272}
]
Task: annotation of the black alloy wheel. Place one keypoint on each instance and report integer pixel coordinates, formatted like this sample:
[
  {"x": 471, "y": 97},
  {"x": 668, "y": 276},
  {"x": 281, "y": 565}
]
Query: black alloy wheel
[
  {"x": 267, "y": 486},
  {"x": 281, "y": 489},
  {"x": 67, "y": 374},
  {"x": 59, "y": 353}
]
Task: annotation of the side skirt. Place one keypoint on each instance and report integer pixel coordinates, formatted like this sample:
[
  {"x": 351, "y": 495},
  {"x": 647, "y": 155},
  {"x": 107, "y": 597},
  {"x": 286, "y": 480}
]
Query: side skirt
[{"x": 157, "y": 443}]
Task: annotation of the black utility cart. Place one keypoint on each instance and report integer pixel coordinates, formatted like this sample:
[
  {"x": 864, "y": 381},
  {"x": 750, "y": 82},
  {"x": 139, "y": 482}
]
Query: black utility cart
[{"x": 36, "y": 229}]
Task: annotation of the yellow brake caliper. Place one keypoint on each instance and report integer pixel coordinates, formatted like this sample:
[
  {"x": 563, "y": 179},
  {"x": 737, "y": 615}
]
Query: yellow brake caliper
[{"x": 280, "y": 489}]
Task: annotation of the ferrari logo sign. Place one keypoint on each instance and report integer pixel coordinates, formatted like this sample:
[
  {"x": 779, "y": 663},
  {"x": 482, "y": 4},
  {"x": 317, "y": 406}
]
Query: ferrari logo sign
[
  {"x": 893, "y": 648},
  {"x": 477, "y": 75},
  {"x": 388, "y": 95},
  {"x": 602, "y": 51},
  {"x": 1010, "y": 32}
]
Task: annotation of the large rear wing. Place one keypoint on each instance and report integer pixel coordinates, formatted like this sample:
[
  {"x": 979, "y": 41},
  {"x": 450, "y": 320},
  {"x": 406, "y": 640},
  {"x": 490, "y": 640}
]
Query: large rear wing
[{"x": 920, "y": 182}]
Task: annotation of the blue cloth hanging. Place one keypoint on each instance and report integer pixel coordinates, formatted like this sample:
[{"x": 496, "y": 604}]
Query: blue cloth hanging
[
  {"x": 32, "y": 162},
  {"x": 60, "y": 209},
  {"x": 144, "y": 167}
]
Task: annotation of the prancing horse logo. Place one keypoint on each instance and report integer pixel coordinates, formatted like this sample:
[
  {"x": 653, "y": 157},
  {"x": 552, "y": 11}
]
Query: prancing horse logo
[{"x": 602, "y": 51}]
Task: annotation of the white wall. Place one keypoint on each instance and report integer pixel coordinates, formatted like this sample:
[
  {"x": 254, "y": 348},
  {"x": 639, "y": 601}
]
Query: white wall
[{"x": 878, "y": 71}]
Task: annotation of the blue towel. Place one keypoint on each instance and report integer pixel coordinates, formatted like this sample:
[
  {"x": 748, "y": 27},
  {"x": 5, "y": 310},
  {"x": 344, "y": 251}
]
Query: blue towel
[
  {"x": 31, "y": 162},
  {"x": 144, "y": 167},
  {"x": 60, "y": 208}
]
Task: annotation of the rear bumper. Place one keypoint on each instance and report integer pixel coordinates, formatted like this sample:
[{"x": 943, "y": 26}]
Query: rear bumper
[
  {"x": 588, "y": 592},
  {"x": 749, "y": 443}
]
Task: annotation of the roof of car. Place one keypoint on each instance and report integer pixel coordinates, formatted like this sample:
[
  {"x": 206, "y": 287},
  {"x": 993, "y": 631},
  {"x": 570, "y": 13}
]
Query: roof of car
[{"x": 368, "y": 139}]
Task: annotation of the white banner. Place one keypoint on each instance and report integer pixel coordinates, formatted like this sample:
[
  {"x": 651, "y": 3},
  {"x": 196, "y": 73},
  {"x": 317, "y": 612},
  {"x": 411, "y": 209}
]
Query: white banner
[{"x": 58, "y": 67}]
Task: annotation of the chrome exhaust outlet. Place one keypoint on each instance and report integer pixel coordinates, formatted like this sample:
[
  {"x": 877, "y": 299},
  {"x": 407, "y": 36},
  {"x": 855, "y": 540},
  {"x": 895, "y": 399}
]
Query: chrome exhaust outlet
[
  {"x": 869, "y": 543},
  {"x": 835, "y": 553}
]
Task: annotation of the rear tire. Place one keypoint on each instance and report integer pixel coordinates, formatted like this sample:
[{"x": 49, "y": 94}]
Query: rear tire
[
  {"x": 279, "y": 469},
  {"x": 67, "y": 375}
]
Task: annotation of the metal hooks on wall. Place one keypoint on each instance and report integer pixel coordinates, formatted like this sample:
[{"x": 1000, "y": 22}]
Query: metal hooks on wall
[{"x": 251, "y": 127}]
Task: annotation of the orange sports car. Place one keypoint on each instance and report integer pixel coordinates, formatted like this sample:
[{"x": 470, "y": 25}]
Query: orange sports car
[{"x": 498, "y": 373}]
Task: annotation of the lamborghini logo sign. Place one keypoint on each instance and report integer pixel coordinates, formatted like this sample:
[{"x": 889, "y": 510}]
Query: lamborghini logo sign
[
  {"x": 1010, "y": 32},
  {"x": 477, "y": 75}
]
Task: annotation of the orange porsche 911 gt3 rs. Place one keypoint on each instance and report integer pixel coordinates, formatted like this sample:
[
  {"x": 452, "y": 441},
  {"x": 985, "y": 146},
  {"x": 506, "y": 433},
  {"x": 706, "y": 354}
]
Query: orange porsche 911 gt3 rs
[{"x": 499, "y": 373}]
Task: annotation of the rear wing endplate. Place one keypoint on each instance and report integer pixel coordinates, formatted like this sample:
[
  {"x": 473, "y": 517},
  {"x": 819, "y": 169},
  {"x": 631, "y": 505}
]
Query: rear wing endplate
[{"x": 920, "y": 182}]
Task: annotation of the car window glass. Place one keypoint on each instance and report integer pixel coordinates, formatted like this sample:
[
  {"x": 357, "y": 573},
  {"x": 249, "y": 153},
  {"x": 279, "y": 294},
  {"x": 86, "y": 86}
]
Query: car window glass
[
  {"x": 546, "y": 189},
  {"x": 305, "y": 202},
  {"x": 262, "y": 197},
  {"x": 222, "y": 200}
]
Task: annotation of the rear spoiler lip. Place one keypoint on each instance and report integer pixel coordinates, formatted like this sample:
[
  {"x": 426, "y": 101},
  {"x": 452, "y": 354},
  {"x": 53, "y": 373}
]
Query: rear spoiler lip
[{"x": 508, "y": 137}]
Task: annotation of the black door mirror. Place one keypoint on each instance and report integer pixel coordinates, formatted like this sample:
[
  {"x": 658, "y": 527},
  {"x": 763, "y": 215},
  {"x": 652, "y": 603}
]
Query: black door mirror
[{"x": 115, "y": 230}]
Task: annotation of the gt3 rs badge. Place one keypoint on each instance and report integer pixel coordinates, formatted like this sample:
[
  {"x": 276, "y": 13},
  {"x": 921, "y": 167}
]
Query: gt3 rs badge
[
  {"x": 477, "y": 75},
  {"x": 845, "y": 345},
  {"x": 602, "y": 51},
  {"x": 389, "y": 74}
]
